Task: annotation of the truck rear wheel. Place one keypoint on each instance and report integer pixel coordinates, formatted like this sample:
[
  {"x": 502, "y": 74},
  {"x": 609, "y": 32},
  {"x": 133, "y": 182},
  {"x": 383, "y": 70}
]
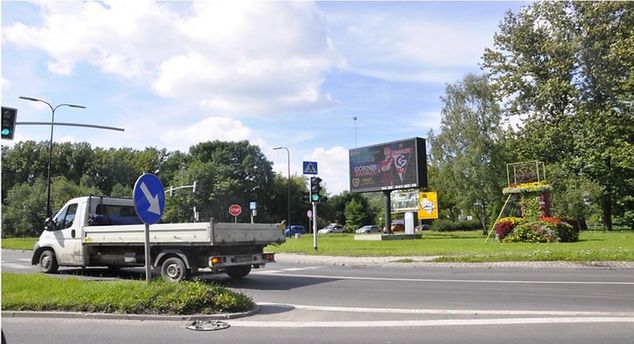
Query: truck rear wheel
[
  {"x": 173, "y": 269},
  {"x": 238, "y": 272},
  {"x": 48, "y": 262}
]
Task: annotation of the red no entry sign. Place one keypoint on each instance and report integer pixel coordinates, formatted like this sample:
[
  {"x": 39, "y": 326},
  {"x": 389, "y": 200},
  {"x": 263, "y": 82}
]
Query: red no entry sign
[{"x": 235, "y": 210}]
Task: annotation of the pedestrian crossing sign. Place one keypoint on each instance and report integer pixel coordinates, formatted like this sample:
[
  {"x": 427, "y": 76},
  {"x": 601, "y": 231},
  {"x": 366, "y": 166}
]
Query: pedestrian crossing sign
[{"x": 310, "y": 167}]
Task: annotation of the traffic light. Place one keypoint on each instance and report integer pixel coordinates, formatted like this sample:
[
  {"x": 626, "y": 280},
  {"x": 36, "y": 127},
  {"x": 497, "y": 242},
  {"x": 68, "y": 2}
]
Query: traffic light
[
  {"x": 8, "y": 122},
  {"x": 306, "y": 196},
  {"x": 315, "y": 188}
]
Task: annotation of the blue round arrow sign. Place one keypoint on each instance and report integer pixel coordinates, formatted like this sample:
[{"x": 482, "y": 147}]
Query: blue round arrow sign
[{"x": 149, "y": 198}]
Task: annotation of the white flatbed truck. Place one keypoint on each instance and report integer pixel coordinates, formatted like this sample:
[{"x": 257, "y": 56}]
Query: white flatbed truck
[{"x": 104, "y": 231}]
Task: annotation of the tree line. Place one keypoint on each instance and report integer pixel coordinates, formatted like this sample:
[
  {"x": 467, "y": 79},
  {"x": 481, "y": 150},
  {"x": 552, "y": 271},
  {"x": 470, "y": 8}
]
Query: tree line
[{"x": 225, "y": 173}]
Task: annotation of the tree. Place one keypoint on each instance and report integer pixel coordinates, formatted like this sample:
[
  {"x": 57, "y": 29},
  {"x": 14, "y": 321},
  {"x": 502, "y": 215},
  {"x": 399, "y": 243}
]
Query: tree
[
  {"x": 355, "y": 215},
  {"x": 25, "y": 209},
  {"x": 467, "y": 152},
  {"x": 568, "y": 67},
  {"x": 26, "y": 162}
]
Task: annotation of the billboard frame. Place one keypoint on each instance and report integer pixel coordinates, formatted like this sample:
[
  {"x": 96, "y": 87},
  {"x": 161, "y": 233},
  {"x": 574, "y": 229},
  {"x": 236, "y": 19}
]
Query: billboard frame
[{"x": 371, "y": 172}]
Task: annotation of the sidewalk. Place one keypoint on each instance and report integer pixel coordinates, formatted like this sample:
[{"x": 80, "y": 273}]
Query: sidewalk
[{"x": 427, "y": 261}]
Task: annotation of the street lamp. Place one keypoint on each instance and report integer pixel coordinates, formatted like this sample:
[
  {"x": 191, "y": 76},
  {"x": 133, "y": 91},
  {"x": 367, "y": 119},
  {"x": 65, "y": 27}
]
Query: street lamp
[
  {"x": 355, "y": 131},
  {"x": 288, "y": 155},
  {"x": 50, "y": 146}
]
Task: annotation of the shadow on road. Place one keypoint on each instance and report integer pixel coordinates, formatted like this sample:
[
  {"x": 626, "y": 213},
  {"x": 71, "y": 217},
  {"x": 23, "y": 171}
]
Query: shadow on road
[{"x": 265, "y": 282}]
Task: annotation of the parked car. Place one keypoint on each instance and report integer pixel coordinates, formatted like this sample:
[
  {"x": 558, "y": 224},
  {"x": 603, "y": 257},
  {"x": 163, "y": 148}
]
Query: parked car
[
  {"x": 423, "y": 227},
  {"x": 294, "y": 229},
  {"x": 396, "y": 227},
  {"x": 332, "y": 228},
  {"x": 367, "y": 229}
]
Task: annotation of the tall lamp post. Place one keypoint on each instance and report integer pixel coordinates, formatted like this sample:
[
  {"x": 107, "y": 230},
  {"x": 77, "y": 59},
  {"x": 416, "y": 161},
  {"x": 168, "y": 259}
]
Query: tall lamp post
[
  {"x": 50, "y": 146},
  {"x": 355, "y": 131},
  {"x": 288, "y": 155}
]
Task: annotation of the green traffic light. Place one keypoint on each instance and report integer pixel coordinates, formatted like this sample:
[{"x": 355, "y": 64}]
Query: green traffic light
[
  {"x": 6, "y": 132},
  {"x": 315, "y": 197}
]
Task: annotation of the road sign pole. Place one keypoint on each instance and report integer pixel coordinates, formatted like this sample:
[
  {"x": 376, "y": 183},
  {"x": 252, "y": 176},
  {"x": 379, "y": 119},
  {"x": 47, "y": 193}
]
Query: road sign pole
[
  {"x": 149, "y": 203},
  {"x": 148, "y": 276},
  {"x": 315, "y": 225}
]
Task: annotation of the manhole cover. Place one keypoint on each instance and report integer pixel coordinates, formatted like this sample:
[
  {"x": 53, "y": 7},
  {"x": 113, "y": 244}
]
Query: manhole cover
[{"x": 211, "y": 325}]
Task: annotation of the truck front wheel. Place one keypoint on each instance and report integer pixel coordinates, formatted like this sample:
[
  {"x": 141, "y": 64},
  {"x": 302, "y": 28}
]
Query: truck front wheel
[
  {"x": 238, "y": 272},
  {"x": 174, "y": 270},
  {"x": 48, "y": 262}
]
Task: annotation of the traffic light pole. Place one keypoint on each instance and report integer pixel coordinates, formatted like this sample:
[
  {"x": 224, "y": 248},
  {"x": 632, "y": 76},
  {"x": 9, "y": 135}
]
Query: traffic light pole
[{"x": 314, "y": 225}]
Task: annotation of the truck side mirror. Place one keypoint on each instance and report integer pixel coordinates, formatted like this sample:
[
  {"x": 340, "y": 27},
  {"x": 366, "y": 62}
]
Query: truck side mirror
[{"x": 49, "y": 224}]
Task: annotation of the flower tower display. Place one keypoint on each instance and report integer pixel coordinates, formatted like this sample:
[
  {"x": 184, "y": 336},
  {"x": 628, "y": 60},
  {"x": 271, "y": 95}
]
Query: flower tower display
[{"x": 526, "y": 214}]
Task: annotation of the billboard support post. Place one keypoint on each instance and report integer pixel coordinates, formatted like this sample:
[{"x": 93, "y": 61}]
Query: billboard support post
[{"x": 388, "y": 211}]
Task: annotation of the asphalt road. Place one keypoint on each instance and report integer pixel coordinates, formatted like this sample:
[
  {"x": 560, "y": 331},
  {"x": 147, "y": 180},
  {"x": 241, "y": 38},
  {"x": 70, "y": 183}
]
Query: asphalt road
[{"x": 399, "y": 303}]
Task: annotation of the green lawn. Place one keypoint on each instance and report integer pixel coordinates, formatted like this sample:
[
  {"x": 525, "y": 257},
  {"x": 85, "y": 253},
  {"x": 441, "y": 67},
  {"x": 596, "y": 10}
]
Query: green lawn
[
  {"x": 453, "y": 247},
  {"x": 37, "y": 292},
  {"x": 18, "y": 243},
  {"x": 470, "y": 247}
]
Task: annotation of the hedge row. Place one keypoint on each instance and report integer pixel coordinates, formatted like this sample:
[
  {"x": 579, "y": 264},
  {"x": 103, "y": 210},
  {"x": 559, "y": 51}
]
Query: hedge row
[{"x": 452, "y": 226}]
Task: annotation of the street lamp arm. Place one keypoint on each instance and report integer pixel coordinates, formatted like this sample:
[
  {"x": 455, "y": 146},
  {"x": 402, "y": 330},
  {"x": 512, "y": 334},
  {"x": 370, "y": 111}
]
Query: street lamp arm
[
  {"x": 40, "y": 100},
  {"x": 71, "y": 105}
]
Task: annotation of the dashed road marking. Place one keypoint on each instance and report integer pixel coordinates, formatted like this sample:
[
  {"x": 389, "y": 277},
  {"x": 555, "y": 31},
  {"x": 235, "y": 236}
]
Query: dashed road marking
[{"x": 279, "y": 271}]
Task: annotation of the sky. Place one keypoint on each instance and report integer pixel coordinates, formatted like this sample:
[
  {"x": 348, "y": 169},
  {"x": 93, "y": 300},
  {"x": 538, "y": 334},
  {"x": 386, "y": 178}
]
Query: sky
[{"x": 291, "y": 74}]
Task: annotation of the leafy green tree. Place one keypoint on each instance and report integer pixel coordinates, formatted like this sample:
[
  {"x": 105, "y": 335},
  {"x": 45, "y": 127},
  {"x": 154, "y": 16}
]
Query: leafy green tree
[
  {"x": 568, "y": 67},
  {"x": 467, "y": 152},
  {"x": 26, "y": 162},
  {"x": 355, "y": 215},
  {"x": 241, "y": 173},
  {"x": 24, "y": 210}
]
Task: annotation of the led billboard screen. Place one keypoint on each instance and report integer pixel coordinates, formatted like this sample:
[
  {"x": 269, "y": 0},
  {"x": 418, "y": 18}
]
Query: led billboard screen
[{"x": 389, "y": 166}]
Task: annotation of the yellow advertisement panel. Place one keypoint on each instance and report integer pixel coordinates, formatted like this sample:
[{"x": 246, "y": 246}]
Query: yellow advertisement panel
[{"x": 427, "y": 205}]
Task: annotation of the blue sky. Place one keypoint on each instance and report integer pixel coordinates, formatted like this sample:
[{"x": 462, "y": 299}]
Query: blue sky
[{"x": 291, "y": 74}]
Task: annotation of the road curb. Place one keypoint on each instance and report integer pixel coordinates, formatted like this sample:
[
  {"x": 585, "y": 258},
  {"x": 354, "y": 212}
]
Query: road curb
[
  {"x": 115, "y": 316},
  {"x": 427, "y": 261}
]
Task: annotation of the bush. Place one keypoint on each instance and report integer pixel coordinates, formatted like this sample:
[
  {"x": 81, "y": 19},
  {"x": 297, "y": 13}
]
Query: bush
[
  {"x": 505, "y": 225},
  {"x": 452, "y": 226},
  {"x": 533, "y": 232},
  {"x": 549, "y": 230},
  {"x": 567, "y": 232}
]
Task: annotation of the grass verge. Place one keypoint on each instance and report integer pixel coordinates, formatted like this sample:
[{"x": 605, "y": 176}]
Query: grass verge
[
  {"x": 470, "y": 247},
  {"x": 35, "y": 292},
  {"x": 18, "y": 243},
  {"x": 467, "y": 246}
]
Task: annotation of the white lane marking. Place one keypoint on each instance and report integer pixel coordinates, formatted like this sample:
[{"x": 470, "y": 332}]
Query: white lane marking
[
  {"x": 430, "y": 323},
  {"x": 15, "y": 266},
  {"x": 288, "y": 270},
  {"x": 447, "y": 311},
  {"x": 432, "y": 280},
  {"x": 25, "y": 260}
]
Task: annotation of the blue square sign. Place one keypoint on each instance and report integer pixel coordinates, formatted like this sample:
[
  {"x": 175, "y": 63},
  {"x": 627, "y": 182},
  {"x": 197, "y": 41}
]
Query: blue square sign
[{"x": 310, "y": 167}]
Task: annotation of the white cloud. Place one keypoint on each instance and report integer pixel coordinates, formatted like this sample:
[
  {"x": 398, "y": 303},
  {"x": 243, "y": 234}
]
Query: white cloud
[
  {"x": 209, "y": 129},
  {"x": 333, "y": 165},
  {"x": 410, "y": 47},
  {"x": 236, "y": 58},
  {"x": 5, "y": 84}
]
